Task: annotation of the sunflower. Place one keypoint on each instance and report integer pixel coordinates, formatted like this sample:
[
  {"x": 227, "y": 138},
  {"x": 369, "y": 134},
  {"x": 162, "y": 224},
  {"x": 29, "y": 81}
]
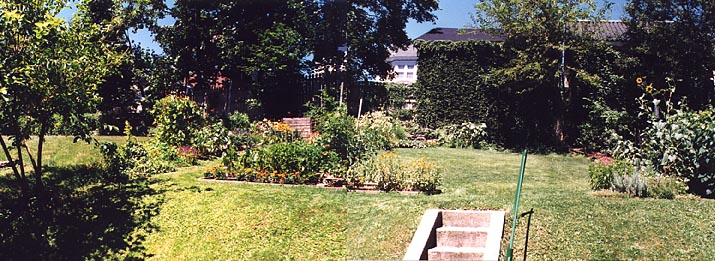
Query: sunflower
[
  {"x": 649, "y": 88},
  {"x": 639, "y": 80}
]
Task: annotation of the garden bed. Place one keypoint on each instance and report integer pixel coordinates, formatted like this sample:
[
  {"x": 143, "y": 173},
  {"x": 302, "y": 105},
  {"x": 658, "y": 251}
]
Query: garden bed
[{"x": 363, "y": 189}]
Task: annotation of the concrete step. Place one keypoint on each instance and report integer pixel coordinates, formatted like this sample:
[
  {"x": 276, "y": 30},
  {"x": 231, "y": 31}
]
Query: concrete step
[
  {"x": 462, "y": 237},
  {"x": 456, "y": 253},
  {"x": 470, "y": 218}
]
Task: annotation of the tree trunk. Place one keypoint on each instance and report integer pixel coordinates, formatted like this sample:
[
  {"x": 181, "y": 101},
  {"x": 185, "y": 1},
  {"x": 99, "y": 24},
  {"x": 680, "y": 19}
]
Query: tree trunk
[
  {"x": 24, "y": 187},
  {"x": 38, "y": 166}
]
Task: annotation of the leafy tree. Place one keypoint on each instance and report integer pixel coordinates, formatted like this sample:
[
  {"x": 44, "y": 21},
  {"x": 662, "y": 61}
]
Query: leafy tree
[
  {"x": 674, "y": 39},
  {"x": 120, "y": 89},
  {"x": 254, "y": 43},
  {"x": 49, "y": 68},
  {"x": 358, "y": 35},
  {"x": 263, "y": 45},
  {"x": 537, "y": 35}
]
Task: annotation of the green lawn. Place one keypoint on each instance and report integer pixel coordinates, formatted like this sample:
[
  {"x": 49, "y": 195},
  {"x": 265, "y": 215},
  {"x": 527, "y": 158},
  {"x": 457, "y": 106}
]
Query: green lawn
[{"x": 229, "y": 221}]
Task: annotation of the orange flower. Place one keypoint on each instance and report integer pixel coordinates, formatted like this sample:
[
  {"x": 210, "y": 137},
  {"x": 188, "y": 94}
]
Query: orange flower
[{"x": 639, "y": 80}]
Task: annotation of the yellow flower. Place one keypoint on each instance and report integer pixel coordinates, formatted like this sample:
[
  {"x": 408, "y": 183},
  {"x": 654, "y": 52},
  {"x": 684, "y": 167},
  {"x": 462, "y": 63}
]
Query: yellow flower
[
  {"x": 639, "y": 80},
  {"x": 649, "y": 88},
  {"x": 248, "y": 170}
]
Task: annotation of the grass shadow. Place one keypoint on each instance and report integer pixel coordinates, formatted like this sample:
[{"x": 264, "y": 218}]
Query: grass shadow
[{"x": 87, "y": 215}]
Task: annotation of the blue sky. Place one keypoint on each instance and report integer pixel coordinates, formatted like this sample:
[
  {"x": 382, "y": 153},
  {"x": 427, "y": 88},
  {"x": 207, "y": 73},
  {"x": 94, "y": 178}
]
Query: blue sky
[
  {"x": 452, "y": 13},
  {"x": 457, "y": 13}
]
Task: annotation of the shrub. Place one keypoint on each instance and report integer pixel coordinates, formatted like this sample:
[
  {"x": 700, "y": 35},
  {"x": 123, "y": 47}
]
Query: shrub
[
  {"x": 339, "y": 135},
  {"x": 213, "y": 139},
  {"x": 383, "y": 131},
  {"x": 275, "y": 132},
  {"x": 176, "y": 120},
  {"x": 287, "y": 162},
  {"x": 132, "y": 160},
  {"x": 632, "y": 184},
  {"x": 237, "y": 121},
  {"x": 603, "y": 170},
  {"x": 393, "y": 174},
  {"x": 463, "y": 135},
  {"x": 683, "y": 146},
  {"x": 665, "y": 187}
]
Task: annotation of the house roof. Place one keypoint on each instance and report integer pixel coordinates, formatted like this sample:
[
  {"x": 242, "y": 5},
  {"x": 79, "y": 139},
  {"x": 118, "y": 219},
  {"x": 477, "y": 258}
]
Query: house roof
[
  {"x": 609, "y": 30},
  {"x": 456, "y": 34},
  {"x": 408, "y": 54}
]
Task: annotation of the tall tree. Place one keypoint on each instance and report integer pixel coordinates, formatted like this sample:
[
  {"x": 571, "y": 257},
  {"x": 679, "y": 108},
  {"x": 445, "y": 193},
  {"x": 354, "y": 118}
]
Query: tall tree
[
  {"x": 358, "y": 35},
  {"x": 537, "y": 35},
  {"x": 262, "y": 42},
  {"x": 49, "y": 68},
  {"x": 251, "y": 42},
  {"x": 675, "y": 39},
  {"x": 121, "y": 87}
]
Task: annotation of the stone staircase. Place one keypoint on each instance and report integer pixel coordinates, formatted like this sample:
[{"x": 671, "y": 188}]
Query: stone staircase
[{"x": 468, "y": 235}]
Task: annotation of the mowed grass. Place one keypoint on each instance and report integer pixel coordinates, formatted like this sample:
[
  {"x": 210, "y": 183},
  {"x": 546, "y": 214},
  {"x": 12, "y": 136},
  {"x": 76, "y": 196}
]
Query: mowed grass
[
  {"x": 62, "y": 150},
  {"x": 200, "y": 220},
  {"x": 569, "y": 221}
]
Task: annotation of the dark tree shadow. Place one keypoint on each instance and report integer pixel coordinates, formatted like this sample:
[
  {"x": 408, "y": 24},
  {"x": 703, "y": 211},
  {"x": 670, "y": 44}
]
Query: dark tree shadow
[{"x": 84, "y": 214}]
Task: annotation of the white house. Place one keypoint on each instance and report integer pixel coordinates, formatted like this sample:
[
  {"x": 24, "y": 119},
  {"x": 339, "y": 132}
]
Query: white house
[{"x": 404, "y": 65}]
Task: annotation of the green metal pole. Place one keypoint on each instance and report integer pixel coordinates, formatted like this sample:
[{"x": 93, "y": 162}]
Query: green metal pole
[{"x": 510, "y": 250}]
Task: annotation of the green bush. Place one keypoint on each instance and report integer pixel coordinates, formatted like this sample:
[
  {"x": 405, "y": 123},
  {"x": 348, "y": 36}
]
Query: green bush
[
  {"x": 177, "y": 119},
  {"x": 237, "y": 121},
  {"x": 683, "y": 146},
  {"x": 633, "y": 184},
  {"x": 287, "y": 162},
  {"x": 464, "y": 135},
  {"x": 603, "y": 170},
  {"x": 665, "y": 187},
  {"x": 132, "y": 160},
  {"x": 213, "y": 139},
  {"x": 338, "y": 134},
  {"x": 383, "y": 131},
  {"x": 392, "y": 174}
]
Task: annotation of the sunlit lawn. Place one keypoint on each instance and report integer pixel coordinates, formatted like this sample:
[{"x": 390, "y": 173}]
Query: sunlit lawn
[{"x": 199, "y": 220}]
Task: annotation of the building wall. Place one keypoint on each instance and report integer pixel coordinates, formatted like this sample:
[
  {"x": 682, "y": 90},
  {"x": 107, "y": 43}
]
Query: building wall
[{"x": 405, "y": 71}]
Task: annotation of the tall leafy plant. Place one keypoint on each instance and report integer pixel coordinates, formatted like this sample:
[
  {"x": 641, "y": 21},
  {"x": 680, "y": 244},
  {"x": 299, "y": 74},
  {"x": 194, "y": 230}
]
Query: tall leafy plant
[
  {"x": 177, "y": 120},
  {"x": 49, "y": 67}
]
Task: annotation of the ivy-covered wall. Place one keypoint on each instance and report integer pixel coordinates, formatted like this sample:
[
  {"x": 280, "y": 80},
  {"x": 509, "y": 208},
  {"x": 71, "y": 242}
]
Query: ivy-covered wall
[
  {"x": 457, "y": 84},
  {"x": 454, "y": 86}
]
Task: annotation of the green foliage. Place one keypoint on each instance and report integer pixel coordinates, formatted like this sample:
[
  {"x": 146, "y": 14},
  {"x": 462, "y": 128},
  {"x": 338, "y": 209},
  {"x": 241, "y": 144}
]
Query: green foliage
[
  {"x": 633, "y": 184},
  {"x": 177, "y": 119},
  {"x": 683, "y": 146},
  {"x": 665, "y": 187},
  {"x": 676, "y": 143},
  {"x": 393, "y": 174},
  {"x": 604, "y": 170},
  {"x": 296, "y": 162},
  {"x": 213, "y": 139},
  {"x": 454, "y": 83},
  {"x": 664, "y": 37},
  {"x": 237, "y": 121},
  {"x": 338, "y": 134},
  {"x": 463, "y": 135},
  {"x": 49, "y": 68},
  {"x": 384, "y": 131}
]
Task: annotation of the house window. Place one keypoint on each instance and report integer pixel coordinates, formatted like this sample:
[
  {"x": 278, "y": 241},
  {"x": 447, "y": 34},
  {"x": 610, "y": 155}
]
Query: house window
[
  {"x": 403, "y": 75},
  {"x": 410, "y": 75},
  {"x": 410, "y": 67}
]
